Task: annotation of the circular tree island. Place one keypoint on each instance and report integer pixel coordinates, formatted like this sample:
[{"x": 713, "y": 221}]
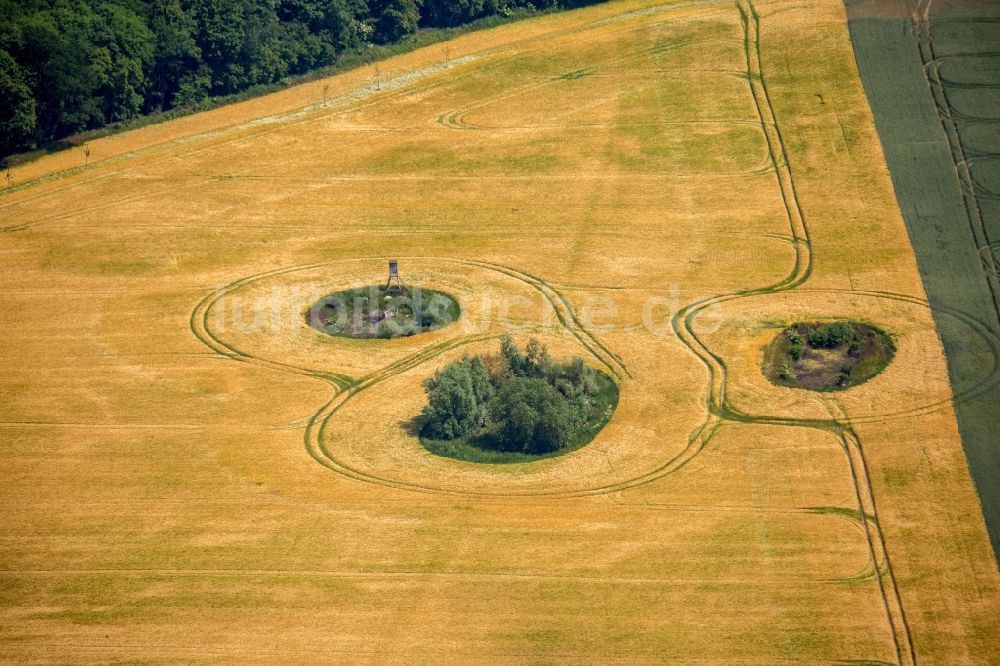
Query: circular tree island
[
  {"x": 382, "y": 312},
  {"x": 514, "y": 406},
  {"x": 827, "y": 356}
]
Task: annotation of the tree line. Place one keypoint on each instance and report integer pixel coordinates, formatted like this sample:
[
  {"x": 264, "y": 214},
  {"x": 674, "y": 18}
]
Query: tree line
[{"x": 72, "y": 65}]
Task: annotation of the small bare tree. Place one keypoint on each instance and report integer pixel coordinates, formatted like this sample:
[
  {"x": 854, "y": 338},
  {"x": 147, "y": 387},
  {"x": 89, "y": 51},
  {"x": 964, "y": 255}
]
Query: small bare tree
[{"x": 86, "y": 155}]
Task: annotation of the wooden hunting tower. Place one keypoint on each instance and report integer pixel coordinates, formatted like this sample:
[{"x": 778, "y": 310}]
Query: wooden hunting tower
[{"x": 394, "y": 277}]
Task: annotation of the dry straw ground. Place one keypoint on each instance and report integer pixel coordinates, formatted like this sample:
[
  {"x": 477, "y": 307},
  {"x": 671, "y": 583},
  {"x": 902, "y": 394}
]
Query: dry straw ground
[{"x": 193, "y": 474}]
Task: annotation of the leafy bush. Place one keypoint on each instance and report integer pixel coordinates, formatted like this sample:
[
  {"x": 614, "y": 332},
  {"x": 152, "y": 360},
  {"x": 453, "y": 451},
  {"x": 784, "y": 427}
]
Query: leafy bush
[
  {"x": 430, "y": 320},
  {"x": 795, "y": 345},
  {"x": 457, "y": 399},
  {"x": 831, "y": 336},
  {"x": 530, "y": 415}
]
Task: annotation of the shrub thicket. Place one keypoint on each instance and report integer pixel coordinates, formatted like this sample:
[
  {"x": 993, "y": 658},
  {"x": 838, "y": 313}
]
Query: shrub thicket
[
  {"x": 795, "y": 345},
  {"x": 519, "y": 401},
  {"x": 833, "y": 335}
]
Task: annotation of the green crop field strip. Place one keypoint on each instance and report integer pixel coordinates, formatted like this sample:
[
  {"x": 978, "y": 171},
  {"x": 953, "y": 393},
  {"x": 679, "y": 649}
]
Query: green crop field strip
[
  {"x": 932, "y": 72},
  {"x": 194, "y": 474}
]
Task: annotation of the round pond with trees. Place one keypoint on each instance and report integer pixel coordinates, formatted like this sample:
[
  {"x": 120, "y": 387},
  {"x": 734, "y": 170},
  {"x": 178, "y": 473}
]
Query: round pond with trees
[
  {"x": 515, "y": 406},
  {"x": 378, "y": 312},
  {"x": 827, "y": 356}
]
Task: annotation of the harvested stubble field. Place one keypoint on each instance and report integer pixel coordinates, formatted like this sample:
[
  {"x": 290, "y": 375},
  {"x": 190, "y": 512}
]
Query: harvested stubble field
[{"x": 193, "y": 474}]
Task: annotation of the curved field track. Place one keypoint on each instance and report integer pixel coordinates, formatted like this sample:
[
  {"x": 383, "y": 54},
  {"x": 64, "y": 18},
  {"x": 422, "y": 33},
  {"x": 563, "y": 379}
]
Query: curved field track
[{"x": 193, "y": 474}]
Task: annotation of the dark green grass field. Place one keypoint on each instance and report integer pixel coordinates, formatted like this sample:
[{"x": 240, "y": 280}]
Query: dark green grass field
[{"x": 933, "y": 82}]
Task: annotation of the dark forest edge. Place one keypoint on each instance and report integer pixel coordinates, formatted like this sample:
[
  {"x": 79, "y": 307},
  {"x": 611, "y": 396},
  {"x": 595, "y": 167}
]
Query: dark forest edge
[{"x": 74, "y": 71}]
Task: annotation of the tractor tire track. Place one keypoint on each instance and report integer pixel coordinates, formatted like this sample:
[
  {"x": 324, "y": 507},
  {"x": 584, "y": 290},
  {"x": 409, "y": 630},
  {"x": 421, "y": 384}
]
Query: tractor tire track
[
  {"x": 968, "y": 185},
  {"x": 347, "y": 387},
  {"x": 30, "y": 224},
  {"x": 200, "y": 327},
  {"x": 718, "y": 407},
  {"x": 936, "y": 128},
  {"x": 358, "y": 98}
]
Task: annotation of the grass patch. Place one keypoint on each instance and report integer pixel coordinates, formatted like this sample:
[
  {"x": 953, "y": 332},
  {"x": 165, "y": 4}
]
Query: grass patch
[{"x": 377, "y": 312}]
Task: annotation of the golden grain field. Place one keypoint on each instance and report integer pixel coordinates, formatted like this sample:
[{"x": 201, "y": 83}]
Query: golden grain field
[{"x": 192, "y": 474}]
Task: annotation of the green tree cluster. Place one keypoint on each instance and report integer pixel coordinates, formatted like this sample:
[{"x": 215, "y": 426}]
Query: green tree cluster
[
  {"x": 457, "y": 399},
  {"x": 73, "y": 65},
  {"x": 519, "y": 401},
  {"x": 830, "y": 336}
]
